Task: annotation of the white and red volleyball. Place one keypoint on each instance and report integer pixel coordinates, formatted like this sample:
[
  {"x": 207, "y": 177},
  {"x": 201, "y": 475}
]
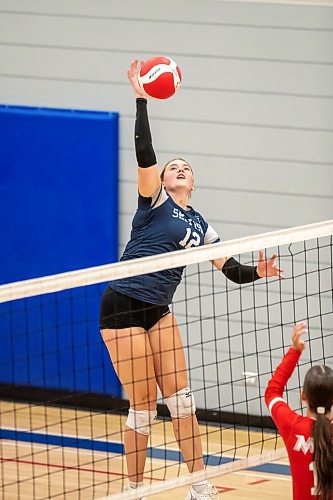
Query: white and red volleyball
[{"x": 160, "y": 77}]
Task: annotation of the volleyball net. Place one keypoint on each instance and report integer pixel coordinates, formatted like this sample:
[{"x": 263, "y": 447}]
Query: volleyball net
[{"x": 62, "y": 415}]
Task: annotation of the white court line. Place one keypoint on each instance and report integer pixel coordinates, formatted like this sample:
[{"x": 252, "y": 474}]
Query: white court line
[
  {"x": 272, "y": 476},
  {"x": 106, "y": 455},
  {"x": 43, "y": 447},
  {"x": 45, "y": 430}
]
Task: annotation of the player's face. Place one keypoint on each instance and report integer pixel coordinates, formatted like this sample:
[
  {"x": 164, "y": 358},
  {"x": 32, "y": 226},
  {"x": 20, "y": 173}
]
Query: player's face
[{"x": 178, "y": 174}]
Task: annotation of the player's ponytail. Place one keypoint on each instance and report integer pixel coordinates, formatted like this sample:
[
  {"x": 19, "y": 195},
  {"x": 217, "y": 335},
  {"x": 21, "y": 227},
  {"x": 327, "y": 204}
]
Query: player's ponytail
[{"x": 318, "y": 389}]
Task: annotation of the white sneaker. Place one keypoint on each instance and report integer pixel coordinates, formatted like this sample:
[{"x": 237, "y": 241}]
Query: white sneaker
[
  {"x": 127, "y": 488},
  {"x": 210, "y": 492}
]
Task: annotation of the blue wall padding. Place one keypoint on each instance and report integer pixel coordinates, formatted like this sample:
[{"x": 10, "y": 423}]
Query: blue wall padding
[
  {"x": 58, "y": 191},
  {"x": 59, "y": 212}
]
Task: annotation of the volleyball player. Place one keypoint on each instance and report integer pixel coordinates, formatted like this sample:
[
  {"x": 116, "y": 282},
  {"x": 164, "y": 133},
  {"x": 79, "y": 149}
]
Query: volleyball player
[
  {"x": 309, "y": 440},
  {"x": 140, "y": 332}
]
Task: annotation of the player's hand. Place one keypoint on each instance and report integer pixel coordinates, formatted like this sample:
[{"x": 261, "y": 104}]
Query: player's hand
[
  {"x": 298, "y": 330},
  {"x": 133, "y": 74},
  {"x": 268, "y": 268}
]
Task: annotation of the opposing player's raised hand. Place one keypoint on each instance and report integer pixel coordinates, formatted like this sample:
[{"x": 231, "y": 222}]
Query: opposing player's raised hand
[
  {"x": 268, "y": 268},
  {"x": 298, "y": 330},
  {"x": 132, "y": 74}
]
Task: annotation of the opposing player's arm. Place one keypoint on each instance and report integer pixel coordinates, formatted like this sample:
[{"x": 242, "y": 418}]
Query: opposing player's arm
[{"x": 282, "y": 415}]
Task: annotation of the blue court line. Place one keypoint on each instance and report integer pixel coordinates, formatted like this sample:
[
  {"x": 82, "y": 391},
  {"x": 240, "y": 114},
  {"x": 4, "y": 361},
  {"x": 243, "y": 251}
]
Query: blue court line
[{"x": 110, "y": 447}]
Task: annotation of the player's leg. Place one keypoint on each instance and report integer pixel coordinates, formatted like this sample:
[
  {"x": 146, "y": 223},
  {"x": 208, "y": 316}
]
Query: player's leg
[
  {"x": 131, "y": 355},
  {"x": 171, "y": 375}
]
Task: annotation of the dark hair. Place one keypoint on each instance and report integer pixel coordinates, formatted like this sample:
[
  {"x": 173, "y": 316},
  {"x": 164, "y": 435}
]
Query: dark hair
[
  {"x": 165, "y": 166},
  {"x": 318, "y": 389}
]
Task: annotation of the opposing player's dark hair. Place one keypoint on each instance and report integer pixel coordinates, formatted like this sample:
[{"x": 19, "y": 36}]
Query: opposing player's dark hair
[{"x": 318, "y": 389}]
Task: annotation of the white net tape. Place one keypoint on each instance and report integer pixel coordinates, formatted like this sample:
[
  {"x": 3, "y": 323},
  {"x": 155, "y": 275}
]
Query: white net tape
[{"x": 100, "y": 274}]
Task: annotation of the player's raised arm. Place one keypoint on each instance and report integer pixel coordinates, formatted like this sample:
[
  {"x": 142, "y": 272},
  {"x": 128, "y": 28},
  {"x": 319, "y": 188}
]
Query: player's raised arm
[{"x": 148, "y": 174}]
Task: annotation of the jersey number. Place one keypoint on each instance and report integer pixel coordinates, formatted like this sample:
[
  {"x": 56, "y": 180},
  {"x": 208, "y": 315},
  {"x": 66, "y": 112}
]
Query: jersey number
[
  {"x": 312, "y": 467},
  {"x": 187, "y": 242}
]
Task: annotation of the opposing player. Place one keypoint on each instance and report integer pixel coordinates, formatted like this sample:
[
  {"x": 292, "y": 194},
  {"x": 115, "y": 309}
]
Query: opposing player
[
  {"x": 140, "y": 332},
  {"x": 309, "y": 440}
]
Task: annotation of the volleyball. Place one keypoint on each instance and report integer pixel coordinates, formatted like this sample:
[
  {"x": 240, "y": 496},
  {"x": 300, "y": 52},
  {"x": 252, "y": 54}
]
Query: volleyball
[{"x": 160, "y": 77}]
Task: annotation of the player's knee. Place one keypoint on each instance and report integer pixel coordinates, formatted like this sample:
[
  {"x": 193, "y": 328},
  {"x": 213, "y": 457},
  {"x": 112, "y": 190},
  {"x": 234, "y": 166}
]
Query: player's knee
[
  {"x": 141, "y": 420},
  {"x": 181, "y": 404}
]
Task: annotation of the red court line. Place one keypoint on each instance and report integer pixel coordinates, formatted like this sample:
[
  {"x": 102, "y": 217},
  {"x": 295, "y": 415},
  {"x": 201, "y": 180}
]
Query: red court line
[
  {"x": 67, "y": 467},
  {"x": 224, "y": 489},
  {"x": 260, "y": 481}
]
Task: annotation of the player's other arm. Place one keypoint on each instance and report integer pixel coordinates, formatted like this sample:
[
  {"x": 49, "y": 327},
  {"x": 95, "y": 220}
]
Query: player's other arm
[
  {"x": 240, "y": 273},
  {"x": 148, "y": 175}
]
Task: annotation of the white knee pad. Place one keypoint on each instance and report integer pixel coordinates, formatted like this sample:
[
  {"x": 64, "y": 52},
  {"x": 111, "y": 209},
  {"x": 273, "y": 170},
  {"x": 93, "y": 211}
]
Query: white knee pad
[
  {"x": 141, "y": 420},
  {"x": 181, "y": 404}
]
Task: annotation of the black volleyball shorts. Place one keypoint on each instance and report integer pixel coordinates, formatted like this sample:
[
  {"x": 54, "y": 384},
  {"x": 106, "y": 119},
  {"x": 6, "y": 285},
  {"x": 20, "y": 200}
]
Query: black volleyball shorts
[{"x": 121, "y": 311}]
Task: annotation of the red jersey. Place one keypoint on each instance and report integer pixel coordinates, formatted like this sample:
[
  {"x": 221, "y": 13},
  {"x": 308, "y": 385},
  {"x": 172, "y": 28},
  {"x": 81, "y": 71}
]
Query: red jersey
[{"x": 294, "y": 429}]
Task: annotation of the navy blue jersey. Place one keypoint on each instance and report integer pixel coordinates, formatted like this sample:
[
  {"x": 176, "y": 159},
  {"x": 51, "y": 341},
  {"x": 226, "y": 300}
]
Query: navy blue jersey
[{"x": 160, "y": 225}]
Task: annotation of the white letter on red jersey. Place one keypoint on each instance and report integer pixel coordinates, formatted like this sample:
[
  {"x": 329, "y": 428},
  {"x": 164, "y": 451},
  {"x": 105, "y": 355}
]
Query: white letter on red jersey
[{"x": 302, "y": 445}]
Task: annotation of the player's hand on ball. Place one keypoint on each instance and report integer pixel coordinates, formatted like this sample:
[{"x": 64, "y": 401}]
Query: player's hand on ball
[
  {"x": 268, "y": 268},
  {"x": 133, "y": 74},
  {"x": 298, "y": 330}
]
